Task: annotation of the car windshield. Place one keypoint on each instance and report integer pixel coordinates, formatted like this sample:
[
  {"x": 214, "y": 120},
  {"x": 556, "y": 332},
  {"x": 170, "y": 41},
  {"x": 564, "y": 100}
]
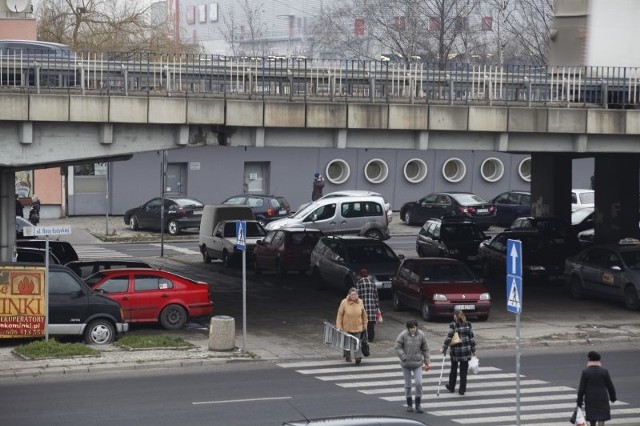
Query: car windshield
[
  {"x": 446, "y": 272},
  {"x": 631, "y": 258},
  {"x": 371, "y": 254},
  {"x": 467, "y": 199},
  {"x": 305, "y": 238},
  {"x": 460, "y": 232},
  {"x": 587, "y": 197},
  {"x": 91, "y": 280},
  {"x": 188, "y": 202},
  {"x": 305, "y": 211},
  {"x": 235, "y": 200},
  {"x": 253, "y": 230}
]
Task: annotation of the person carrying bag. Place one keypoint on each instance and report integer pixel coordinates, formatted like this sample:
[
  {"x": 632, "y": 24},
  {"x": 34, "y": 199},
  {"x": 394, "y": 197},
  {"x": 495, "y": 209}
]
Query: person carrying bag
[{"x": 460, "y": 353}]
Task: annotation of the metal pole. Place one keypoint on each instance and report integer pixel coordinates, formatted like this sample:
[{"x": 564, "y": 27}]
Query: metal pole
[
  {"x": 164, "y": 187},
  {"x": 518, "y": 368},
  {"x": 106, "y": 210},
  {"x": 46, "y": 285},
  {"x": 244, "y": 301}
]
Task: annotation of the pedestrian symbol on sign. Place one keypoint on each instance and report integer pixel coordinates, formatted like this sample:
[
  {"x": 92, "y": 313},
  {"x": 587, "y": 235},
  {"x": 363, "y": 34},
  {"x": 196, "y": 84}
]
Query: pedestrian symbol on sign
[
  {"x": 241, "y": 234},
  {"x": 514, "y": 300}
]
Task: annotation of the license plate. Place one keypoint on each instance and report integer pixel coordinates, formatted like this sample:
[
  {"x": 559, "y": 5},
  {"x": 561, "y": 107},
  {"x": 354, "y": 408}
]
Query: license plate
[
  {"x": 386, "y": 284},
  {"x": 464, "y": 307},
  {"x": 483, "y": 210},
  {"x": 282, "y": 212},
  {"x": 197, "y": 213}
]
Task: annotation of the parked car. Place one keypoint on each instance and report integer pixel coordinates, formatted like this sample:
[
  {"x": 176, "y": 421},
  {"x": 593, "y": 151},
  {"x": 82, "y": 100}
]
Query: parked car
[
  {"x": 439, "y": 204},
  {"x": 63, "y": 250},
  {"x": 35, "y": 255},
  {"x": 21, "y": 223},
  {"x": 222, "y": 244},
  {"x": 84, "y": 268},
  {"x": 266, "y": 208},
  {"x": 581, "y": 198},
  {"x": 555, "y": 227},
  {"x": 287, "y": 249},
  {"x": 583, "y": 219},
  {"x": 543, "y": 255},
  {"x": 179, "y": 213},
  {"x": 454, "y": 237},
  {"x": 511, "y": 205},
  {"x": 610, "y": 271},
  {"x": 337, "y": 261},
  {"x": 438, "y": 286},
  {"x": 151, "y": 295},
  {"x": 75, "y": 309},
  {"x": 363, "y": 216},
  {"x": 357, "y": 193}
]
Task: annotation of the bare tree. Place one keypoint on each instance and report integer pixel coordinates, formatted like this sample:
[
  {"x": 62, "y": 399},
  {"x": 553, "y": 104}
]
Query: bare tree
[
  {"x": 243, "y": 28},
  {"x": 116, "y": 25},
  {"x": 529, "y": 28}
]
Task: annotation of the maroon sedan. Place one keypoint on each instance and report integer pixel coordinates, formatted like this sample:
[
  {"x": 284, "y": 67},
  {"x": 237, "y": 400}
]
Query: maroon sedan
[
  {"x": 151, "y": 295},
  {"x": 285, "y": 249},
  {"x": 437, "y": 286}
]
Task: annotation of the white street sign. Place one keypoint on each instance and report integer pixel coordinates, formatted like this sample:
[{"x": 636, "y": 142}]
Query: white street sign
[{"x": 41, "y": 231}]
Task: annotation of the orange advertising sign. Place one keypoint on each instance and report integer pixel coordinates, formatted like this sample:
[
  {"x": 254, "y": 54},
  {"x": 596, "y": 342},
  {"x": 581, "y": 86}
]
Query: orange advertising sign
[{"x": 22, "y": 301}]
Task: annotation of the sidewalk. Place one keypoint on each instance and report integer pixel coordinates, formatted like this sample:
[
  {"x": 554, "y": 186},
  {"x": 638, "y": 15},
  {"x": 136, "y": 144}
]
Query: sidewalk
[{"x": 603, "y": 329}]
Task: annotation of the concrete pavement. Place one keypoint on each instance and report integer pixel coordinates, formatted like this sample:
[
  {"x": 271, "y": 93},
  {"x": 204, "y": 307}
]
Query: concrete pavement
[{"x": 594, "y": 326}]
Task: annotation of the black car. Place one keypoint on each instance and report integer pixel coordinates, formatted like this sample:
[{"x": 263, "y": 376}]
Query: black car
[
  {"x": 84, "y": 268},
  {"x": 453, "y": 237},
  {"x": 555, "y": 227},
  {"x": 266, "y": 208},
  {"x": 62, "y": 250},
  {"x": 511, "y": 205},
  {"x": 337, "y": 260},
  {"x": 440, "y": 204},
  {"x": 543, "y": 255},
  {"x": 179, "y": 213}
]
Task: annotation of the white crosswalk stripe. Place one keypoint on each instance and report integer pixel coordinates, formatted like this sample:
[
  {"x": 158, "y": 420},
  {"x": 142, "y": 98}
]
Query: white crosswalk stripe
[
  {"x": 177, "y": 249},
  {"x": 101, "y": 253},
  {"x": 490, "y": 398}
]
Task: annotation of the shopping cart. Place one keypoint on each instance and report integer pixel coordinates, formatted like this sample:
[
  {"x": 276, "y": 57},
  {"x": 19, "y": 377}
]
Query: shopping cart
[{"x": 339, "y": 339}]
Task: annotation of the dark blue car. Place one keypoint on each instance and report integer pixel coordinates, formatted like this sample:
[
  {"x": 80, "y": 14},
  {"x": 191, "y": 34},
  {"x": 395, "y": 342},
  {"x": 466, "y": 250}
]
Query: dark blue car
[{"x": 511, "y": 205}]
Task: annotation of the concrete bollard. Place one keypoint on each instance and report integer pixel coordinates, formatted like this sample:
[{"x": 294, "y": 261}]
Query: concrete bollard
[{"x": 222, "y": 333}]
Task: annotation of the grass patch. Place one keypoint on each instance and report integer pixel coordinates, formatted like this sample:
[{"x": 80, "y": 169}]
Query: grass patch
[
  {"x": 148, "y": 342},
  {"x": 53, "y": 349}
]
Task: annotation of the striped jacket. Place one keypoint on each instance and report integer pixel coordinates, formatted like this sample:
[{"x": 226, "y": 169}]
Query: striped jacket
[{"x": 467, "y": 346}]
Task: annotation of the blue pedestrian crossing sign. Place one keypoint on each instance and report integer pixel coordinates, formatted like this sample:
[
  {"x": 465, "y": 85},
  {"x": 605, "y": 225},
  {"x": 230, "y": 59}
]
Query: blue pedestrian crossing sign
[
  {"x": 241, "y": 234},
  {"x": 514, "y": 294}
]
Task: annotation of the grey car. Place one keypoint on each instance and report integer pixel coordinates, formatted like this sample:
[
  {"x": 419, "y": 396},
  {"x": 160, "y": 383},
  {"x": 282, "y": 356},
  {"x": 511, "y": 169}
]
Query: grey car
[{"x": 337, "y": 261}]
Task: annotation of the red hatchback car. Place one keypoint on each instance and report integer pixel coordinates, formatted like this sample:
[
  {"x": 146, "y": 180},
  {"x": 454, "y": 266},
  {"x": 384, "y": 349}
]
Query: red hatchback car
[
  {"x": 151, "y": 295},
  {"x": 437, "y": 286}
]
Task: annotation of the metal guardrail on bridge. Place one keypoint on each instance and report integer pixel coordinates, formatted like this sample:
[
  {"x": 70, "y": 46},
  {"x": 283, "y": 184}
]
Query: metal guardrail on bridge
[{"x": 122, "y": 73}]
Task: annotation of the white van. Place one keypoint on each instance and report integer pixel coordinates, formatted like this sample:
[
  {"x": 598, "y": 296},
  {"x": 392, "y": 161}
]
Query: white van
[
  {"x": 357, "y": 193},
  {"x": 365, "y": 216},
  {"x": 216, "y": 241}
]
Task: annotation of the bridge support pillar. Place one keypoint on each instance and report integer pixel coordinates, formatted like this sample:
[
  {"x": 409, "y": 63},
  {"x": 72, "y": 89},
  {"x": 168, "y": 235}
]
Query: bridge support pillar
[
  {"x": 341, "y": 138},
  {"x": 617, "y": 203},
  {"x": 26, "y": 132},
  {"x": 7, "y": 214},
  {"x": 551, "y": 185}
]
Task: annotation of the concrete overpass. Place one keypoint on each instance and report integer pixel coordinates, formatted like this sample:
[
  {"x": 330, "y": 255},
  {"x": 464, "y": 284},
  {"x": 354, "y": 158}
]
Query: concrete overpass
[{"x": 67, "y": 125}]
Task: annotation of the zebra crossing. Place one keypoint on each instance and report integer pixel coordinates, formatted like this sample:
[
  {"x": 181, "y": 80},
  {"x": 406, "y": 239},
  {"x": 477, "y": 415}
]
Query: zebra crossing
[
  {"x": 490, "y": 397},
  {"x": 91, "y": 252}
]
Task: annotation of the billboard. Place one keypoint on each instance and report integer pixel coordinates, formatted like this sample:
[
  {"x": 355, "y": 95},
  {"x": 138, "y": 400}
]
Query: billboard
[{"x": 22, "y": 301}]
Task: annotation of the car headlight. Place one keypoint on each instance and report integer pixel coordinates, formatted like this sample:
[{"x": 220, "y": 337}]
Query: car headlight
[
  {"x": 485, "y": 296},
  {"x": 439, "y": 297}
]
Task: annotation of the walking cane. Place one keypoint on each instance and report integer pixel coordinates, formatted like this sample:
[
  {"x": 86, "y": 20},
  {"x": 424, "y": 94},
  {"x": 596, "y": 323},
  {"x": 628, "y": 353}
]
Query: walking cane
[{"x": 441, "y": 371}]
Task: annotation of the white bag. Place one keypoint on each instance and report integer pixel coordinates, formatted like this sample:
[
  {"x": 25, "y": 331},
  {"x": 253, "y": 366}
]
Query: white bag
[
  {"x": 580, "y": 420},
  {"x": 474, "y": 364}
]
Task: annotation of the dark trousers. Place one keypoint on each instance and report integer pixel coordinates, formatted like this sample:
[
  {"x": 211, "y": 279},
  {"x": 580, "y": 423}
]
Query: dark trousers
[
  {"x": 464, "y": 366},
  {"x": 371, "y": 330}
]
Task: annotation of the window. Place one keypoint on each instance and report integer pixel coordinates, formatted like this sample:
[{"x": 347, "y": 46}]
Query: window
[
  {"x": 62, "y": 283},
  {"x": 191, "y": 15},
  {"x": 434, "y": 24},
  {"x": 202, "y": 13},
  {"x": 115, "y": 285},
  {"x": 487, "y": 23},
  {"x": 144, "y": 283},
  {"x": 358, "y": 27},
  {"x": 213, "y": 12},
  {"x": 322, "y": 213},
  {"x": 92, "y": 169}
]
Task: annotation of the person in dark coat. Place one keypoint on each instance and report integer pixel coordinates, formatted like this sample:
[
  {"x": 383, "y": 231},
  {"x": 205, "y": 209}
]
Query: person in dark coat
[
  {"x": 413, "y": 350},
  {"x": 318, "y": 186},
  {"x": 596, "y": 390},
  {"x": 369, "y": 294},
  {"x": 34, "y": 211},
  {"x": 460, "y": 353},
  {"x": 19, "y": 208}
]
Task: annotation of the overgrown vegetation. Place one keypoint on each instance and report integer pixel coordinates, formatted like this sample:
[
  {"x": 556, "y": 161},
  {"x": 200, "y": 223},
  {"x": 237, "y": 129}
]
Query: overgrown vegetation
[
  {"x": 148, "y": 342},
  {"x": 53, "y": 349}
]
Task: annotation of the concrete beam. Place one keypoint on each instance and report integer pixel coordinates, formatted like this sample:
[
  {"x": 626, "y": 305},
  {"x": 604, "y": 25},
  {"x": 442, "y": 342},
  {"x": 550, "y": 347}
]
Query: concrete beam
[
  {"x": 105, "y": 135},
  {"x": 205, "y": 111},
  {"x": 531, "y": 120},
  {"x": 488, "y": 119},
  {"x": 244, "y": 113},
  {"x": 128, "y": 109},
  {"x": 25, "y": 132},
  {"x": 367, "y": 116},
  {"x": 167, "y": 110},
  {"x": 442, "y": 117},
  {"x": 566, "y": 120},
  {"x": 632, "y": 122},
  {"x": 89, "y": 109},
  {"x": 14, "y": 107},
  {"x": 326, "y": 115},
  {"x": 284, "y": 114},
  {"x": 409, "y": 117},
  {"x": 48, "y": 107},
  {"x": 606, "y": 121}
]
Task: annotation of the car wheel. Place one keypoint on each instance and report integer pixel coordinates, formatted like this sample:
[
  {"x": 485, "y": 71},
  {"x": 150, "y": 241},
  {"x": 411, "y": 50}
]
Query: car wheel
[
  {"x": 407, "y": 218},
  {"x": 348, "y": 283},
  {"x": 226, "y": 259},
  {"x": 205, "y": 255},
  {"x": 99, "y": 332},
  {"x": 173, "y": 317},
  {"x": 133, "y": 223},
  {"x": 397, "y": 304},
  {"x": 631, "y": 297},
  {"x": 575, "y": 287},
  {"x": 280, "y": 270},
  {"x": 425, "y": 311},
  {"x": 172, "y": 227},
  {"x": 373, "y": 233},
  {"x": 256, "y": 266},
  {"x": 317, "y": 278}
]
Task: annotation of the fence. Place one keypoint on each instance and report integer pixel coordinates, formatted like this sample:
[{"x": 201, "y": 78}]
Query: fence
[{"x": 299, "y": 78}]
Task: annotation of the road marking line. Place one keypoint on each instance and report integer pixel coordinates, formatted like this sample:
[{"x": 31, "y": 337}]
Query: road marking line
[{"x": 228, "y": 401}]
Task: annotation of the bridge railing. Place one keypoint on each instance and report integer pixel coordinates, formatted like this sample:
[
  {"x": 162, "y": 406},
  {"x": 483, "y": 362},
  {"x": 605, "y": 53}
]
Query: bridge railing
[{"x": 128, "y": 73}]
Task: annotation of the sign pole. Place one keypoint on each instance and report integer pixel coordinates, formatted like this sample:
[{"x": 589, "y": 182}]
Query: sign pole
[
  {"x": 46, "y": 287},
  {"x": 514, "y": 303},
  {"x": 241, "y": 244}
]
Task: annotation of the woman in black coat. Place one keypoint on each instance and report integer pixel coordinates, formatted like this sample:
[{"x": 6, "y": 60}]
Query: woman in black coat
[
  {"x": 460, "y": 353},
  {"x": 596, "y": 390}
]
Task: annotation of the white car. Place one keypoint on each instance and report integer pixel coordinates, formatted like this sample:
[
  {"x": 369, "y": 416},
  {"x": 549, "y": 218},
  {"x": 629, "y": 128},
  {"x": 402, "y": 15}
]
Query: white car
[
  {"x": 357, "y": 193},
  {"x": 581, "y": 198}
]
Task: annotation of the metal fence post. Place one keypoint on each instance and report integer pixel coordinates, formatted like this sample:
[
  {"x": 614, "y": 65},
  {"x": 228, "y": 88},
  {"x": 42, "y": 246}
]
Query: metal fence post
[
  {"x": 372, "y": 88},
  {"x": 605, "y": 95},
  {"x": 125, "y": 76},
  {"x": 82, "y": 80},
  {"x": 36, "y": 77}
]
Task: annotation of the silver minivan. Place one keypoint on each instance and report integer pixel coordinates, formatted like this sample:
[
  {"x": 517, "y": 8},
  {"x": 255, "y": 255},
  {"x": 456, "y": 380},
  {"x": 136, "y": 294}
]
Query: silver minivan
[{"x": 365, "y": 216}]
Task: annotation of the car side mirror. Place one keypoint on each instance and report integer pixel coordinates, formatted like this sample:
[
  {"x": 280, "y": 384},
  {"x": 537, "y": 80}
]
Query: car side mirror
[
  {"x": 616, "y": 268},
  {"x": 401, "y": 256},
  {"x": 218, "y": 234},
  {"x": 260, "y": 242},
  {"x": 423, "y": 204}
]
